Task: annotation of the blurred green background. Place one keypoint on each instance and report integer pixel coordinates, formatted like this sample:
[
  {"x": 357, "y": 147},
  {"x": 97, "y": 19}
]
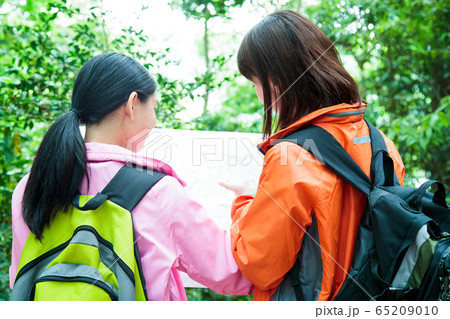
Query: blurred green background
[{"x": 397, "y": 50}]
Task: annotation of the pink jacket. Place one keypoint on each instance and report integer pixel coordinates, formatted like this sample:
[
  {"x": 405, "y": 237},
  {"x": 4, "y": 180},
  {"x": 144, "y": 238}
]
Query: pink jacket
[{"x": 173, "y": 232}]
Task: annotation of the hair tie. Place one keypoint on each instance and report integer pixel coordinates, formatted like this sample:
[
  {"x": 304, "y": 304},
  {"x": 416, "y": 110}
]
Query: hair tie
[{"x": 75, "y": 111}]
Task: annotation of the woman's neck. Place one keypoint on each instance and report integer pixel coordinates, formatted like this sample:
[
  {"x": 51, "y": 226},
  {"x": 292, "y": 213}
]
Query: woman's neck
[{"x": 107, "y": 131}]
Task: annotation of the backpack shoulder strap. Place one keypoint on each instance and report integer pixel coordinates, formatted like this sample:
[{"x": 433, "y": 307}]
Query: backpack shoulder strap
[
  {"x": 130, "y": 184},
  {"x": 126, "y": 188},
  {"x": 381, "y": 170},
  {"x": 325, "y": 148}
]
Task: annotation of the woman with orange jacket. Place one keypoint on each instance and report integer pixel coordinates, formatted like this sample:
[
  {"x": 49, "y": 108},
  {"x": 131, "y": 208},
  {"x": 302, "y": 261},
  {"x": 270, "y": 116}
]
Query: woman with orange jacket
[{"x": 301, "y": 209}]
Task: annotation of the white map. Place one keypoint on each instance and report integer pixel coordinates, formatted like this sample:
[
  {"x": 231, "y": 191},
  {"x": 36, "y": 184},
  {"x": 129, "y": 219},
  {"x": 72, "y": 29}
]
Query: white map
[{"x": 205, "y": 158}]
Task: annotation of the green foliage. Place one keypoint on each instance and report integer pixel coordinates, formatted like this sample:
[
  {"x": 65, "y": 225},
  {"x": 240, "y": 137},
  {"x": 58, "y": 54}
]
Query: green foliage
[
  {"x": 401, "y": 49},
  {"x": 18, "y": 149},
  {"x": 206, "y": 9},
  {"x": 200, "y": 294},
  {"x": 428, "y": 144},
  {"x": 240, "y": 112}
]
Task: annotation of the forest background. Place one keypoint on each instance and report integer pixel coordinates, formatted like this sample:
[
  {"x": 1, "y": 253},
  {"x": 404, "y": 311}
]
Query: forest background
[{"x": 397, "y": 50}]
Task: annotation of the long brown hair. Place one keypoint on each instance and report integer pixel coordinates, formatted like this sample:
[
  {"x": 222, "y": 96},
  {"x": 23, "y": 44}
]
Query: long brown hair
[{"x": 300, "y": 61}]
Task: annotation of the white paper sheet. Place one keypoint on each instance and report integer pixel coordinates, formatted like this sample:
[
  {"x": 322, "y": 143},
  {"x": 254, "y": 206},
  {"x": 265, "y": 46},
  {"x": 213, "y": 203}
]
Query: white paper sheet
[{"x": 203, "y": 159}]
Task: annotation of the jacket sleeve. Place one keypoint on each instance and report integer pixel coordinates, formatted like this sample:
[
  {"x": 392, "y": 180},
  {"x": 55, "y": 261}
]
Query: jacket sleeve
[
  {"x": 267, "y": 229},
  {"x": 202, "y": 248}
]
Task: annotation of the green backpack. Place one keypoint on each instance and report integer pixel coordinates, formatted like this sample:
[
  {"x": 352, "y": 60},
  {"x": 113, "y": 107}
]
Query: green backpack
[{"x": 89, "y": 252}]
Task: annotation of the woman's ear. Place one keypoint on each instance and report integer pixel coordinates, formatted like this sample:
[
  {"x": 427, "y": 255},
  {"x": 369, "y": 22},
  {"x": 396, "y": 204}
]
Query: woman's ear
[{"x": 130, "y": 105}]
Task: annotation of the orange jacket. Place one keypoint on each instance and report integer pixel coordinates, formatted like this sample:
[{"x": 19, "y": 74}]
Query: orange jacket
[{"x": 294, "y": 188}]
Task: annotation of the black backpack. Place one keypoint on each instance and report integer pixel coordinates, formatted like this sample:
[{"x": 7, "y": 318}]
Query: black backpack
[{"x": 402, "y": 250}]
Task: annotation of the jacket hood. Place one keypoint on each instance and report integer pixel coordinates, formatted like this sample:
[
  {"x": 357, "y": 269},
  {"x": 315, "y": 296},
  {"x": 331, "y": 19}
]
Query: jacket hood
[
  {"x": 99, "y": 152},
  {"x": 340, "y": 113}
]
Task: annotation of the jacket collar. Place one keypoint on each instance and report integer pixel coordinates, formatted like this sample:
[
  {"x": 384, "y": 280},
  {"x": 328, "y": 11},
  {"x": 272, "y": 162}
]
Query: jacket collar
[
  {"x": 340, "y": 113},
  {"x": 99, "y": 152}
]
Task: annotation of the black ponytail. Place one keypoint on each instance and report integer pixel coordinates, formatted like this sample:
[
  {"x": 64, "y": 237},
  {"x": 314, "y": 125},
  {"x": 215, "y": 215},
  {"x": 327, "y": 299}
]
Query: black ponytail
[
  {"x": 56, "y": 173},
  {"x": 103, "y": 84}
]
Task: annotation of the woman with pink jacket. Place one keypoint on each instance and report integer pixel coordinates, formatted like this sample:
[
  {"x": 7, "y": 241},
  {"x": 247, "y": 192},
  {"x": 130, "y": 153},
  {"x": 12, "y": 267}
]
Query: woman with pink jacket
[{"x": 114, "y": 97}]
